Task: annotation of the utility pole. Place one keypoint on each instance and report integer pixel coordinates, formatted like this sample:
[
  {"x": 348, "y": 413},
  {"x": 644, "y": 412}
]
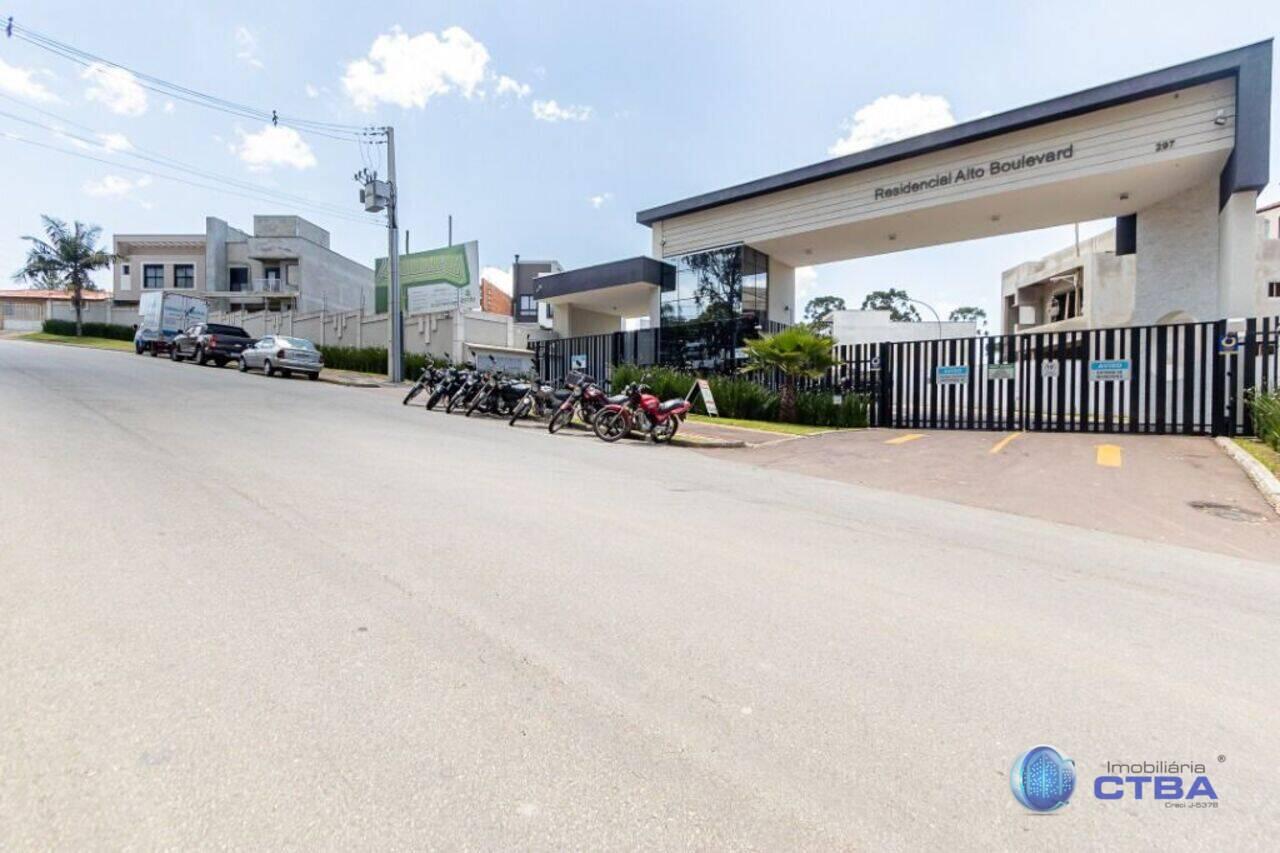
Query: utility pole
[
  {"x": 450, "y": 229},
  {"x": 395, "y": 352}
]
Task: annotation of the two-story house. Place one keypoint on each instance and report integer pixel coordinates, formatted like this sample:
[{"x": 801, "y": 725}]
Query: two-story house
[{"x": 286, "y": 263}]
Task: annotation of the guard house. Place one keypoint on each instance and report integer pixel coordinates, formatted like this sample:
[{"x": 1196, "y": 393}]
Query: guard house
[{"x": 1176, "y": 156}]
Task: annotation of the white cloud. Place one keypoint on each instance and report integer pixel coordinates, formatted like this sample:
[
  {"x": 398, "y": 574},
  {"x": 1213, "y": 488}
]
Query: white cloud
[
  {"x": 598, "y": 201},
  {"x": 498, "y": 277},
  {"x": 168, "y": 106},
  {"x": 116, "y": 88},
  {"x": 248, "y": 44},
  {"x": 114, "y": 186},
  {"x": 507, "y": 85},
  {"x": 108, "y": 142},
  {"x": 312, "y": 91},
  {"x": 551, "y": 111},
  {"x": 892, "y": 117},
  {"x": 115, "y": 142},
  {"x": 21, "y": 82},
  {"x": 273, "y": 146},
  {"x": 411, "y": 70}
]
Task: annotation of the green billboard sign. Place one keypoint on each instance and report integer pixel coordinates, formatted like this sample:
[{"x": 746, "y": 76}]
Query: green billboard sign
[{"x": 433, "y": 281}]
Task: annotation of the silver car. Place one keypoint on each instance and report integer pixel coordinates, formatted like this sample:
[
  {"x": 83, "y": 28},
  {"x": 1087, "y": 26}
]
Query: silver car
[{"x": 286, "y": 356}]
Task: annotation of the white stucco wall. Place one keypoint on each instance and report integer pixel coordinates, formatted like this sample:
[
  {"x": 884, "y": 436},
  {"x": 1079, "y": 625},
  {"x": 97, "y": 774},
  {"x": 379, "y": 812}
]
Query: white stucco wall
[
  {"x": 1177, "y": 249},
  {"x": 1237, "y": 256},
  {"x": 782, "y": 292}
]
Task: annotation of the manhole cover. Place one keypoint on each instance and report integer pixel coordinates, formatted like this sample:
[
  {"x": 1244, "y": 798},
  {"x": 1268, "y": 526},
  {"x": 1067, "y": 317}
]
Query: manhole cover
[{"x": 1229, "y": 512}]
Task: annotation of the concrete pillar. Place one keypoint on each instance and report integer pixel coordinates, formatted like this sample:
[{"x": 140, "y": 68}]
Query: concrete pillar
[
  {"x": 655, "y": 308},
  {"x": 1237, "y": 247},
  {"x": 782, "y": 293}
]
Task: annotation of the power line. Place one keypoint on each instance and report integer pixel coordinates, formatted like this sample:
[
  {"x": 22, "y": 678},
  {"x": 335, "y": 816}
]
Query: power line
[
  {"x": 331, "y": 130},
  {"x": 262, "y": 196},
  {"x": 172, "y": 163}
]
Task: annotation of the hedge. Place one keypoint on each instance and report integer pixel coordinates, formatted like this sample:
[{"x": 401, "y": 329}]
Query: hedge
[
  {"x": 113, "y": 331},
  {"x": 1266, "y": 417},
  {"x": 737, "y": 397},
  {"x": 374, "y": 360}
]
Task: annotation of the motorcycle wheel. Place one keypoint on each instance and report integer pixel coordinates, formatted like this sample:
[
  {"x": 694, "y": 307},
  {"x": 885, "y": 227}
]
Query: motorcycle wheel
[
  {"x": 666, "y": 432},
  {"x": 521, "y": 409},
  {"x": 560, "y": 420},
  {"x": 610, "y": 426},
  {"x": 413, "y": 392},
  {"x": 453, "y": 402},
  {"x": 476, "y": 401},
  {"x": 434, "y": 398}
]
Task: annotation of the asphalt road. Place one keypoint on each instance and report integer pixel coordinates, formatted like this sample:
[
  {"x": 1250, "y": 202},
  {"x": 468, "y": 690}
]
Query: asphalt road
[{"x": 242, "y": 612}]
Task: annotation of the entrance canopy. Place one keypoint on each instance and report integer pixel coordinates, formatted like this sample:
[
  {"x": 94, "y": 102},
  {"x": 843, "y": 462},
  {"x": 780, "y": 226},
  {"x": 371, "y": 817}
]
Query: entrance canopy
[{"x": 1113, "y": 150}]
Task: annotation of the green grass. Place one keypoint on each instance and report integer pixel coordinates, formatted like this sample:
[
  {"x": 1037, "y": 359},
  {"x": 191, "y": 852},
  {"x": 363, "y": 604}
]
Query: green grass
[
  {"x": 96, "y": 343},
  {"x": 1269, "y": 458},
  {"x": 763, "y": 426}
]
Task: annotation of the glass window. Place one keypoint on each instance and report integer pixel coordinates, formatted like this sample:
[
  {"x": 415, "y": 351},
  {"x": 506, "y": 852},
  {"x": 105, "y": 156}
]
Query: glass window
[
  {"x": 718, "y": 285},
  {"x": 153, "y": 275},
  {"x": 184, "y": 276},
  {"x": 238, "y": 278},
  {"x": 124, "y": 269},
  {"x": 1273, "y": 289}
]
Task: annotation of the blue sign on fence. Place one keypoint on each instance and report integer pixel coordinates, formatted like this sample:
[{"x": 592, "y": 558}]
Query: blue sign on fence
[
  {"x": 1112, "y": 370},
  {"x": 955, "y": 374}
]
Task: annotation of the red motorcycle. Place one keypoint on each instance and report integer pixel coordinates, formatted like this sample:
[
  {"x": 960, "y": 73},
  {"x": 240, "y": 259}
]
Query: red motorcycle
[
  {"x": 658, "y": 420},
  {"x": 585, "y": 400}
]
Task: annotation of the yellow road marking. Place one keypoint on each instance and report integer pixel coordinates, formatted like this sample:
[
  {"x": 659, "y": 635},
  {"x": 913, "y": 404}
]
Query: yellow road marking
[
  {"x": 1004, "y": 442},
  {"x": 903, "y": 439},
  {"x": 1110, "y": 456}
]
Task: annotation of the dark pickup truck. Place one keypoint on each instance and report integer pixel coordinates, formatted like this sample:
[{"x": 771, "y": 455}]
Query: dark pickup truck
[{"x": 206, "y": 342}]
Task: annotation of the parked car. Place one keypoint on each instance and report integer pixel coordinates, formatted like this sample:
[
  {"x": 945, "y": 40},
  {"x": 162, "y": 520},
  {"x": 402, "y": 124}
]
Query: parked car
[
  {"x": 206, "y": 342},
  {"x": 163, "y": 314},
  {"x": 286, "y": 356}
]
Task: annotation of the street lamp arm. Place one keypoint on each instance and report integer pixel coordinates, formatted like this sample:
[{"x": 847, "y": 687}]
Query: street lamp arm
[{"x": 931, "y": 308}]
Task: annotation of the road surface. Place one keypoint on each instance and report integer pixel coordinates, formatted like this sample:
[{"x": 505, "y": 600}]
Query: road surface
[{"x": 249, "y": 612}]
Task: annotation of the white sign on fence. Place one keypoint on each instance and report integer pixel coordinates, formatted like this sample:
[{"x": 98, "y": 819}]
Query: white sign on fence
[
  {"x": 1050, "y": 369},
  {"x": 1001, "y": 372},
  {"x": 578, "y": 361}
]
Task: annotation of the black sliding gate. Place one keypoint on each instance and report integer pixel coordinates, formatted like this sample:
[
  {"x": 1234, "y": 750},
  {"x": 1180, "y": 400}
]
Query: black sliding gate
[{"x": 1189, "y": 378}]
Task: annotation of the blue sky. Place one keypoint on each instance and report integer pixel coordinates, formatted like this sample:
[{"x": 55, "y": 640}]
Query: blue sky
[{"x": 544, "y": 127}]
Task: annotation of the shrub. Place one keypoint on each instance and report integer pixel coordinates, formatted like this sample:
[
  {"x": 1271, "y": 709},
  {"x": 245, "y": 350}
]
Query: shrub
[
  {"x": 113, "y": 331},
  {"x": 374, "y": 360},
  {"x": 1266, "y": 417},
  {"x": 742, "y": 398}
]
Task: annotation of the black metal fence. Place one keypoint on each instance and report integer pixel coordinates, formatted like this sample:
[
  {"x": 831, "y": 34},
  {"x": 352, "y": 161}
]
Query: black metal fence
[{"x": 1188, "y": 378}]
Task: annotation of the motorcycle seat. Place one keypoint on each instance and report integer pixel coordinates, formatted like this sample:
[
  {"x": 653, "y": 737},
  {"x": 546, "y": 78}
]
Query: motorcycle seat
[
  {"x": 674, "y": 403},
  {"x": 616, "y": 399}
]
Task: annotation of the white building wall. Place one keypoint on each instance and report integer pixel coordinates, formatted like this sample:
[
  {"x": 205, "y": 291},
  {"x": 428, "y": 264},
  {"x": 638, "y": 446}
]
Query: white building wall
[
  {"x": 782, "y": 292},
  {"x": 1177, "y": 250},
  {"x": 1237, "y": 256}
]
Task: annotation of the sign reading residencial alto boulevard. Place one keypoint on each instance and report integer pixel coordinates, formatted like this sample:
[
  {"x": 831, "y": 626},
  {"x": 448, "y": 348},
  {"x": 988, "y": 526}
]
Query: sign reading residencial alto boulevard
[{"x": 965, "y": 174}]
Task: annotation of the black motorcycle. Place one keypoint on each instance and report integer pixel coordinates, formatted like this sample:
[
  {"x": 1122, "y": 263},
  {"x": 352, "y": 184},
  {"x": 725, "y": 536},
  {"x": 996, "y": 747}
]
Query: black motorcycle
[
  {"x": 539, "y": 398},
  {"x": 430, "y": 377},
  {"x": 470, "y": 385}
]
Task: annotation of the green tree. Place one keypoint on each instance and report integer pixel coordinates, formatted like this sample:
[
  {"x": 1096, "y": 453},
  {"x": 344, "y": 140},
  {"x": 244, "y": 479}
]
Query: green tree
[
  {"x": 821, "y": 306},
  {"x": 795, "y": 352},
  {"x": 967, "y": 313},
  {"x": 65, "y": 260},
  {"x": 896, "y": 302}
]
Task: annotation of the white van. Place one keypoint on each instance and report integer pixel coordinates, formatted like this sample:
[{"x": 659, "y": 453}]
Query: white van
[{"x": 163, "y": 314}]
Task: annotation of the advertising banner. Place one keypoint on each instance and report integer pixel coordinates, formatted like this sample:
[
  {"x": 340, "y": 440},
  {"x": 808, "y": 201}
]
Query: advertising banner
[{"x": 435, "y": 281}]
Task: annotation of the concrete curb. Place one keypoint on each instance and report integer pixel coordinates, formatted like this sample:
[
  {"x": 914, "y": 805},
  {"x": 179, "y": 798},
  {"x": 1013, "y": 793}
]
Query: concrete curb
[
  {"x": 706, "y": 443},
  {"x": 1257, "y": 472},
  {"x": 349, "y": 382}
]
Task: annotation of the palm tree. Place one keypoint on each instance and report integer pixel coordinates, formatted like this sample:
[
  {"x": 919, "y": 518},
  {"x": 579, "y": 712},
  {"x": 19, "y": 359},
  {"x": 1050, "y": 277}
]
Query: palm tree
[
  {"x": 795, "y": 351},
  {"x": 64, "y": 260}
]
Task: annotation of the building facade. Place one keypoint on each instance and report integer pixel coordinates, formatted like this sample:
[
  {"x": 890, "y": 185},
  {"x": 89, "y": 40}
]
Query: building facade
[
  {"x": 286, "y": 263},
  {"x": 1094, "y": 285}
]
